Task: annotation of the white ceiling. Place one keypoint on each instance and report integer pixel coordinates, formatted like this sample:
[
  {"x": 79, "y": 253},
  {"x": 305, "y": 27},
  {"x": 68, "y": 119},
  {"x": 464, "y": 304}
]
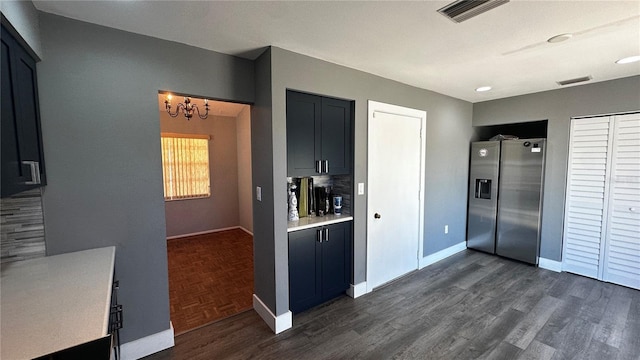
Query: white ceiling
[{"x": 409, "y": 42}]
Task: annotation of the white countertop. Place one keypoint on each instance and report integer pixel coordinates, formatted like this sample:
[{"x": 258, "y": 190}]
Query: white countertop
[
  {"x": 55, "y": 302},
  {"x": 308, "y": 222}
]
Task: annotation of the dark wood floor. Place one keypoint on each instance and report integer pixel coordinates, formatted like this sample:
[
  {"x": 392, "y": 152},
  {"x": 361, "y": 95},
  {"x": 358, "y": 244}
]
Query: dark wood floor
[
  {"x": 210, "y": 277},
  {"x": 468, "y": 306}
]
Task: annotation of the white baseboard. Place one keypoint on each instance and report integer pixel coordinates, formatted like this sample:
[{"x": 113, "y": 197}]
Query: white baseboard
[
  {"x": 277, "y": 324},
  {"x": 147, "y": 345},
  {"x": 357, "y": 290},
  {"x": 550, "y": 264},
  {"x": 245, "y": 230},
  {"x": 443, "y": 254},
  {"x": 208, "y": 232}
]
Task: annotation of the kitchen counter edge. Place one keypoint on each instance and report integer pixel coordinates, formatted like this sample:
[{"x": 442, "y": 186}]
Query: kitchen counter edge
[{"x": 316, "y": 221}]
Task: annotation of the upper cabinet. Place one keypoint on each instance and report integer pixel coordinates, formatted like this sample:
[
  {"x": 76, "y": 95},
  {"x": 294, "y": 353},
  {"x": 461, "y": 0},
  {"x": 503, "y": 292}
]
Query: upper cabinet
[
  {"x": 22, "y": 153},
  {"x": 318, "y": 135}
]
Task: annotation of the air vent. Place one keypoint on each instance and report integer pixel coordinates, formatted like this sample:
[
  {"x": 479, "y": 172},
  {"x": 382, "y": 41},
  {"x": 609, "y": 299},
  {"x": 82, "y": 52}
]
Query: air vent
[
  {"x": 462, "y": 10},
  {"x": 574, "y": 81}
]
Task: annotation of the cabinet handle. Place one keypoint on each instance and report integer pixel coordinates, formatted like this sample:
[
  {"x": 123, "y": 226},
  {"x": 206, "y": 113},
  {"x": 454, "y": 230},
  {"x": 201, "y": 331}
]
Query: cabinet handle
[
  {"x": 326, "y": 235},
  {"x": 325, "y": 164},
  {"x": 318, "y": 167},
  {"x": 319, "y": 235},
  {"x": 35, "y": 172}
]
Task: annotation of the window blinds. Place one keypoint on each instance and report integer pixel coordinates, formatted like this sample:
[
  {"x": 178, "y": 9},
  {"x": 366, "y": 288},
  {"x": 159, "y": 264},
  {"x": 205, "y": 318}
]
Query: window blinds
[{"x": 185, "y": 166}]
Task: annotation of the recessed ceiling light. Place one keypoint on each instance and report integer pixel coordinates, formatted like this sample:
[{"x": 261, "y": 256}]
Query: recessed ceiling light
[
  {"x": 559, "y": 38},
  {"x": 628, "y": 60},
  {"x": 483, "y": 88}
]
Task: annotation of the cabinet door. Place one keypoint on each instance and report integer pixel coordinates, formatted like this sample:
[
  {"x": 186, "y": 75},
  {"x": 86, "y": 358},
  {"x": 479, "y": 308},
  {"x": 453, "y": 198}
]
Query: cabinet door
[
  {"x": 305, "y": 289},
  {"x": 303, "y": 133},
  {"x": 21, "y": 135},
  {"x": 336, "y": 135},
  {"x": 12, "y": 173},
  {"x": 336, "y": 260}
]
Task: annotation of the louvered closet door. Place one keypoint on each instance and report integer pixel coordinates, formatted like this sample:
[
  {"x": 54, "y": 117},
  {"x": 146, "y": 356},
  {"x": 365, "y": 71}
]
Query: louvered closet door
[
  {"x": 586, "y": 187},
  {"x": 622, "y": 242}
]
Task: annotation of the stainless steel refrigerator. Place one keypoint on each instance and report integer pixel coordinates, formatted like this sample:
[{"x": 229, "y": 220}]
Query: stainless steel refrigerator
[{"x": 505, "y": 198}]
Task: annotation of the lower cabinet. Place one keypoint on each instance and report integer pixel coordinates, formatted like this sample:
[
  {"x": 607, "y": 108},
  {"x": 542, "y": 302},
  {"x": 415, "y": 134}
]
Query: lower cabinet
[{"x": 319, "y": 264}]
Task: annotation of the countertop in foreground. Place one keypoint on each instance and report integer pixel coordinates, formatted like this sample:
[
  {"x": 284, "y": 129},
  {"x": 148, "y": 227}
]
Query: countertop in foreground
[{"x": 55, "y": 302}]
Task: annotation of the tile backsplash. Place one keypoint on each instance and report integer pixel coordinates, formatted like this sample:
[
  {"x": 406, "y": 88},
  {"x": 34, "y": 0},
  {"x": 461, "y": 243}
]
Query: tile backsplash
[
  {"x": 21, "y": 227},
  {"x": 340, "y": 185}
]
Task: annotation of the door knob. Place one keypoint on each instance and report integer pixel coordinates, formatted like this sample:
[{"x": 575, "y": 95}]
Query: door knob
[{"x": 377, "y": 216}]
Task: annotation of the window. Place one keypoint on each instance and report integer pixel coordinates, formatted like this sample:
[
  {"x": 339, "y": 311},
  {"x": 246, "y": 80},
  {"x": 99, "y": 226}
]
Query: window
[{"x": 185, "y": 166}]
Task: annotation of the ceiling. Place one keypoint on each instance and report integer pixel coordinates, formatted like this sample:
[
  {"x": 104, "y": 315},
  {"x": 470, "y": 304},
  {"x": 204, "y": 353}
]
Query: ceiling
[{"x": 409, "y": 42}]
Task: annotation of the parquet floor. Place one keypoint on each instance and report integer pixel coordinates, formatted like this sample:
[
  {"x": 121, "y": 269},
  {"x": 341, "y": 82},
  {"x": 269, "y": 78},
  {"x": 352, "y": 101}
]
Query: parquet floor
[
  {"x": 210, "y": 277},
  {"x": 468, "y": 306}
]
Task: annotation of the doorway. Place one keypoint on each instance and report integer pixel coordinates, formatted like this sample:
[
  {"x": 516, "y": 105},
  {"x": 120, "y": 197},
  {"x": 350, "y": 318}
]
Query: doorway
[
  {"x": 208, "y": 210},
  {"x": 395, "y": 209}
]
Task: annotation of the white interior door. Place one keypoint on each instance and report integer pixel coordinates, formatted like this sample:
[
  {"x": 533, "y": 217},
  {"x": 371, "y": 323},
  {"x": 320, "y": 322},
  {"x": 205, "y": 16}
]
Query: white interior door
[
  {"x": 587, "y": 185},
  {"x": 395, "y": 199},
  {"x": 602, "y": 212},
  {"x": 622, "y": 250}
]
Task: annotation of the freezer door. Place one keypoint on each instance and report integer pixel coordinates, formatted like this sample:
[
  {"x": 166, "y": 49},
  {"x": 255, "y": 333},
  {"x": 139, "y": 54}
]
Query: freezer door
[
  {"x": 483, "y": 195},
  {"x": 520, "y": 203}
]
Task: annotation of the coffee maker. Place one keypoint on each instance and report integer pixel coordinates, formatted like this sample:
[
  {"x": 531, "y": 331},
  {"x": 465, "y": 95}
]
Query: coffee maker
[{"x": 322, "y": 200}]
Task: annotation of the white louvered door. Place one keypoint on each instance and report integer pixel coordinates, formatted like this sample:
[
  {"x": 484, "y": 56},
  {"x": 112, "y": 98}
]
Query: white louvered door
[
  {"x": 585, "y": 205},
  {"x": 602, "y": 212},
  {"x": 622, "y": 251}
]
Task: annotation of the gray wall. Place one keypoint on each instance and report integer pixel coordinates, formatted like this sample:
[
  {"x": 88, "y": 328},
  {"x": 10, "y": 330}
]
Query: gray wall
[
  {"x": 220, "y": 210},
  {"x": 262, "y": 172},
  {"x": 245, "y": 199},
  {"x": 448, "y": 133},
  {"x": 101, "y": 134},
  {"x": 23, "y": 16},
  {"x": 558, "y": 106}
]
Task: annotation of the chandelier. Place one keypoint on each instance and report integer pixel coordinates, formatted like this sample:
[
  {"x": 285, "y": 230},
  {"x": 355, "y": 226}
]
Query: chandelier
[{"x": 187, "y": 108}]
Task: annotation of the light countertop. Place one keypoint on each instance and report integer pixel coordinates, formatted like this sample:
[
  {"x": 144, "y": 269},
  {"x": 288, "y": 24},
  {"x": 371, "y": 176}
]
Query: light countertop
[
  {"x": 55, "y": 302},
  {"x": 315, "y": 221}
]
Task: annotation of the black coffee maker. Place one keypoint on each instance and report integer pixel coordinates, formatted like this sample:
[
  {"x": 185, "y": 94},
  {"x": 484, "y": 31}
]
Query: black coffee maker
[{"x": 322, "y": 200}]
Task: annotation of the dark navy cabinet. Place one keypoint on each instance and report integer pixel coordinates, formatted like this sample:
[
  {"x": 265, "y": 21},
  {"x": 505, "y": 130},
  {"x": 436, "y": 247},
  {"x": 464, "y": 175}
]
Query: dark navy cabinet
[
  {"x": 22, "y": 153},
  {"x": 319, "y": 264},
  {"x": 318, "y": 135}
]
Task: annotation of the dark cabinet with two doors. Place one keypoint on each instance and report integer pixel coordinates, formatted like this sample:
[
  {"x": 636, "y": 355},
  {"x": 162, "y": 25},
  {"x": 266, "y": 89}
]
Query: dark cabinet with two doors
[
  {"x": 22, "y": 153},
  {"x": 318, "y": 135},
  {"x": 319, "y": 264}
]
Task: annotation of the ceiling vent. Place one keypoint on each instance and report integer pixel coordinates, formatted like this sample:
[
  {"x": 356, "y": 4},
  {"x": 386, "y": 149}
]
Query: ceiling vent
[
  {"x": 574, "y": 81},
  {"x": 462, "y": 10}
]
